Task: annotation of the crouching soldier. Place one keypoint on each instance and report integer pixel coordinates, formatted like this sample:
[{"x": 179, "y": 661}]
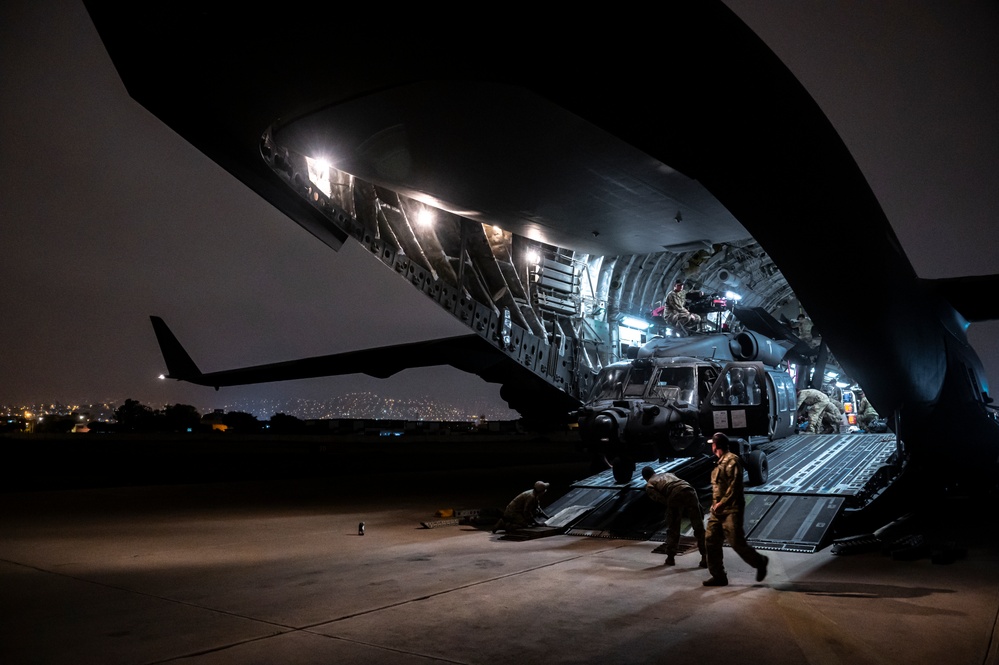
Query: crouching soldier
[
  {"x": 680, "y": 499},
  {"x": 524, "y": 509}
]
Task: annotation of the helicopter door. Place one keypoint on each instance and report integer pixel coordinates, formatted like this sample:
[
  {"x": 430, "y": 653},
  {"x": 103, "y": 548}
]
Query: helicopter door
[
  {"x": 738, "y": 403},
  {"x": 782, "y": 416}
]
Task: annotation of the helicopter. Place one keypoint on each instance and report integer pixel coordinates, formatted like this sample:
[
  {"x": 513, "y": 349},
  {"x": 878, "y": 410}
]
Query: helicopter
[{"x": 675, "y": 393}]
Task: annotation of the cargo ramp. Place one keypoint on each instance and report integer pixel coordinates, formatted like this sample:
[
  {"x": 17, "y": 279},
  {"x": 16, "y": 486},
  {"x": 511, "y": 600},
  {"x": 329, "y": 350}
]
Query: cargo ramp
[{"x": 819, "y": 485}]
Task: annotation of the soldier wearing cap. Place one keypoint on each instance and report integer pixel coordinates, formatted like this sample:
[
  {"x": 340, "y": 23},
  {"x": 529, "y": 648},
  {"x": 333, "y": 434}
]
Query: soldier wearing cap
[
  {"x": 522, "y": 511},
  {"x": 728, "y": 503},
  {"x": 676, "y": 311},
  {"x": 680, "y": 499}
]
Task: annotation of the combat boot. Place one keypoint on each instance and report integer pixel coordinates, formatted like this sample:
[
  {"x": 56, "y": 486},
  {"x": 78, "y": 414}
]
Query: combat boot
[
  {"x": 715, "y": 581},
  {"x": 761, "y": 572},
  {"x": 670, "y": 560}
]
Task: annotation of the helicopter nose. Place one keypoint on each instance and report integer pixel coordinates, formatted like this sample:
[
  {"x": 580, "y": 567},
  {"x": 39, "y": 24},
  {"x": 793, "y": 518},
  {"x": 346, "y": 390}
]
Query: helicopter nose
[{"x": 604, "y": 425}]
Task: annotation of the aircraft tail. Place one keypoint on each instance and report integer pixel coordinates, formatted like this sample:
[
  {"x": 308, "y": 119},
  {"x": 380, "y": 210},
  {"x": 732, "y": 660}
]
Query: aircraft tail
[{"x": 178, "y": 362}]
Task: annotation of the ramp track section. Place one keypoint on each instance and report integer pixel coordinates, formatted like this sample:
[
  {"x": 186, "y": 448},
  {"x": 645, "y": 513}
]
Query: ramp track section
[{"x": 814, "y": 480}]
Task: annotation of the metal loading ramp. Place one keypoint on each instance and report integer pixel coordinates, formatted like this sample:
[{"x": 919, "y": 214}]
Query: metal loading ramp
[{"x": 815, "y": 481}]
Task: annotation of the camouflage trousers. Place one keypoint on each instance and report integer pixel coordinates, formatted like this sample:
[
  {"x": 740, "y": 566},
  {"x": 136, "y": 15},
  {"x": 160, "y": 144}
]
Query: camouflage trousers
[
  {"x": 815, "y": 417},
  {"x": 722, "y": 528},
  {"x": 684, "y": 504},
  {"x": 680, "y": 318}
]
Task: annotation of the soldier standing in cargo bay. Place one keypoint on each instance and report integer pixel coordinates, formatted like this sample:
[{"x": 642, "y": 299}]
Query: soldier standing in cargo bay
[{"x": 728, "y": 503}]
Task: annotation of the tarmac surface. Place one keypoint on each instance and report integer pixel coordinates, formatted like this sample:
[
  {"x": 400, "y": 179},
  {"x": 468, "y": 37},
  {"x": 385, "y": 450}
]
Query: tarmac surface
[{"x": 274, "y": 571}]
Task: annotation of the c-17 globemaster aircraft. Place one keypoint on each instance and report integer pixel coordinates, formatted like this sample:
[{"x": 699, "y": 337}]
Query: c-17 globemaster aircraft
[{"x": 543, "y": 183}]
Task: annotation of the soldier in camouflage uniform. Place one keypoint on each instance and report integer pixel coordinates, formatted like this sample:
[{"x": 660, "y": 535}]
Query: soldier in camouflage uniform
[
  {"x": 680, "y": 499},
  {"x": 676, "y": 311},
  {"x": 865, "y": 412},
  {"x": 728, "y": 504},
  {"x": 832, "y": 417},
  {"x": 804, "y": 329},
  {"x": 521, "y": 512},
  {"x": 814, "y": 401}
]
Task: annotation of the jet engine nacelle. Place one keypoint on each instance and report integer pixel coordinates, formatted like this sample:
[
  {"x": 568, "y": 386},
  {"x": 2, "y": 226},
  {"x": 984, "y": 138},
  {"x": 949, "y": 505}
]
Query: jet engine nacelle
[
  {"x": 749, "y": 345},
  {"x": 728, "y": 278}
]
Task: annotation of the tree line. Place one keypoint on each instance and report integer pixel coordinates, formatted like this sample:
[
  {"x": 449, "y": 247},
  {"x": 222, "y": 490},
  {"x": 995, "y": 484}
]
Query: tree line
[{"x": 133, "y": 416}]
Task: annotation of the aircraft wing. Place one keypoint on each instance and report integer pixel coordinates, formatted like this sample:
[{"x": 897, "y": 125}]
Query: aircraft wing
[{"x": 470, "y": 353}]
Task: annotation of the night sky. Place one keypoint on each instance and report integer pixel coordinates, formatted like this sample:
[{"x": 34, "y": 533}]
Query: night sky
[{"x": 107, "y": 216}]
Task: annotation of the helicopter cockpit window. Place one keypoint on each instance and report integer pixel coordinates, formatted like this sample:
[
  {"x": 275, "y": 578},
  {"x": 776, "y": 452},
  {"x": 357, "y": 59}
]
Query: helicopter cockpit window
[
  {"x": 637, "y": 380},
  {"x": 674, "y": 383},
  {"x": 739, "y": 388},
  {"x": 609, "y": 383}
]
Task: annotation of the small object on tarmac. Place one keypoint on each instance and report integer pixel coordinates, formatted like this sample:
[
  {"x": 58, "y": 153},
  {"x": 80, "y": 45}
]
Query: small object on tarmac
[{"x": 360, "y": 529}]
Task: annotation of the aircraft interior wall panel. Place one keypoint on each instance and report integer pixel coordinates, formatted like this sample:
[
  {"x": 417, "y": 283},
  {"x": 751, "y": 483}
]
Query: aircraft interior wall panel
[
  {"x": 417, "y": 275},
  {"x": 516, "y": 341},
  {"x": 401, "y": 264},
  {"x": 445, "y": 295},
  {"x": 465, "y": 310},
  {"x": 560, "y": 370},
  {"x": 480, "y": 318},
  {"x": 491, "y": 331},
  {"x": 380, "y": 244},
  {"x": 430, "y": 287},
  {"x": 385, "y": 252},
  {"x": 530, "y": 345}
]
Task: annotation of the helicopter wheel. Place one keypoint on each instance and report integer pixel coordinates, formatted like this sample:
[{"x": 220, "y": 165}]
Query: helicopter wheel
[
  {"x": 624, "y": 470},
  {"x": 757, "y": 467}
]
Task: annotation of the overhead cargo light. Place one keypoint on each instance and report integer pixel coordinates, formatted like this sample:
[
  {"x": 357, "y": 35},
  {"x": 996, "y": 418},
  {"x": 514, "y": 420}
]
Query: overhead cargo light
[
  {"x": 638, "y": 324},
  {"x": 319, "y": 174},
  {"x": 425, "y": 218}
]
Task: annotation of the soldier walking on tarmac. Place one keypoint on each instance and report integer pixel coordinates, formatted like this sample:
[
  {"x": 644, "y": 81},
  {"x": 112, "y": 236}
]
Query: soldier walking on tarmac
[{"x": 728, "y": 504}]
